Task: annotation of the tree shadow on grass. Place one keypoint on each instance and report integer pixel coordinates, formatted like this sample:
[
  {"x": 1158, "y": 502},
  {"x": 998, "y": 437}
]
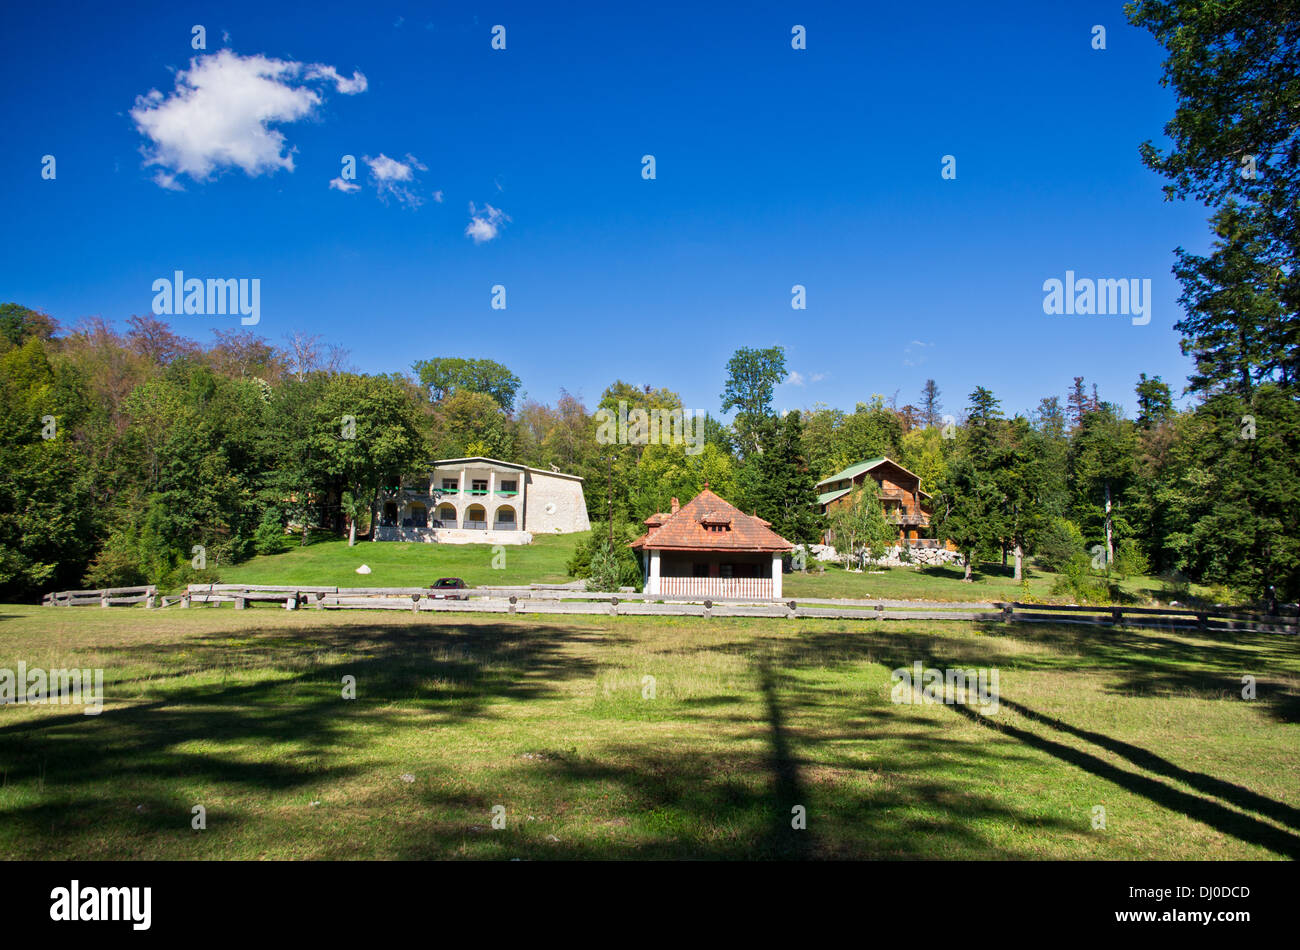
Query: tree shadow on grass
[
  {"x": 1144, "y": 661},
  {"x": 738, "y": 802},
  {"x": 277, "y": 717},
  {"x": 1165, "y": 661},
  {"x": 1213, "y": 813}
]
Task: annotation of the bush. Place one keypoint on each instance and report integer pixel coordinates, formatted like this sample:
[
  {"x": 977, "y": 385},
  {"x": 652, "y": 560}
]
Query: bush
[
  {"x": 593, "y": 560},
  {"x": 1060, "y": 541},
  {"x": 269, "y": 537},
  {"x": 1078, "y": 582},
  {"x": 1129, "y": 559}
]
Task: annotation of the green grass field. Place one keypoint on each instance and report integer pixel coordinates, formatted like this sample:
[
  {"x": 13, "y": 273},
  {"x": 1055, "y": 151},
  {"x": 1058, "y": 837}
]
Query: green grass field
[
  {"x": 548, "y": 718},
  {"x": 411, "y": 564}
]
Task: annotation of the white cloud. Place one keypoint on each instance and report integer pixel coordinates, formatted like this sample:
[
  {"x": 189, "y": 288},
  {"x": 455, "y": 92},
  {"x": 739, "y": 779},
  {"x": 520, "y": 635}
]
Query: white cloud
[
  {"x": 437, "y": 196},
  {"x": 910, "y": 355},
  {"x": 345, "y": 186},
  {"x": 393, "y": 179},
  {"x": 349, "y": 87},
  {"x": 795, "y": 378},
  {"x": 486, "y": 224},
  {"x": 220, "y": 115}
]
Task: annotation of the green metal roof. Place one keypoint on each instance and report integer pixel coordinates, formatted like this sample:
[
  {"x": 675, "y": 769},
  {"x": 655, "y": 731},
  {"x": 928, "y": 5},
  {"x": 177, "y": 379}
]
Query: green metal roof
[
  {"x": 853, "y": 471},
  {"x": 831, "y": 495}
]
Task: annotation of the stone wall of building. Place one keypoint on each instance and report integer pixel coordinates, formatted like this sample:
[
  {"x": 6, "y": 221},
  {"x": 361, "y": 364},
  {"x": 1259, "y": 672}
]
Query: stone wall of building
[{"x": 554, "y": 504}]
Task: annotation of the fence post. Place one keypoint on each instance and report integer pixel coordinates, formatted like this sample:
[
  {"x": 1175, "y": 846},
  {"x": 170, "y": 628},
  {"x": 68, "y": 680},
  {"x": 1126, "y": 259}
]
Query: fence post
[
  {"x": 1117, "y": 616},
  {"x": 103, "y": 598},
  {"x": 1008, "y": 613}
]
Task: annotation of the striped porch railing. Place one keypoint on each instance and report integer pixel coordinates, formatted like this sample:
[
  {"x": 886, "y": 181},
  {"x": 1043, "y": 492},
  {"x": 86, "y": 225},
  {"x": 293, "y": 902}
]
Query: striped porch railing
[{"x": 759, "y": 588}]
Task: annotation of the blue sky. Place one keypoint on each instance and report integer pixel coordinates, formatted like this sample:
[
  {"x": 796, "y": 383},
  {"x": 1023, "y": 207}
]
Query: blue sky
[{"x": 775, "y": 167}]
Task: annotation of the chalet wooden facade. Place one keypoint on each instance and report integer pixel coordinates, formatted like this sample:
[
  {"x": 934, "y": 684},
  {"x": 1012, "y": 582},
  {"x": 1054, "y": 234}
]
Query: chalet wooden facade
[
  {"x": 710, "y": 548},
  {"x": 898, "y": 489}
]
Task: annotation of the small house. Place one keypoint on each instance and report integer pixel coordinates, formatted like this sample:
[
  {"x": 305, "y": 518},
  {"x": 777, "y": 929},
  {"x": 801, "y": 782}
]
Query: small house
[{"x": 710, "y": 548}]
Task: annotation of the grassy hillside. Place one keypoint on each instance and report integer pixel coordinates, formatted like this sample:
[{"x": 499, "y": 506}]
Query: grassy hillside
[
  {"x": 550, "y": 718},
  {"x": 409, "y": 564}
]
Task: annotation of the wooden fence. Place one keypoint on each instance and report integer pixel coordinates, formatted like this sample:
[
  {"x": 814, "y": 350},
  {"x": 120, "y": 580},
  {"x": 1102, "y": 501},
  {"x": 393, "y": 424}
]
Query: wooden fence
[
  {"x": 541, "y": 599},
  {"x": 105, "y": 597}
]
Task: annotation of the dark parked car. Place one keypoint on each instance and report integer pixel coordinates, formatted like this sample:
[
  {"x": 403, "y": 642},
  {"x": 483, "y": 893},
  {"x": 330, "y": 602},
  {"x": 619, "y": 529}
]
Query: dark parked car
[{"x": 447, "y": 588}]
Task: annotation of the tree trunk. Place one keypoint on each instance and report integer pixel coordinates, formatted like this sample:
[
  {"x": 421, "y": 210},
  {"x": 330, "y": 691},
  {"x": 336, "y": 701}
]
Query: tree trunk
[
  {"x": 1020, "y": 557},
  {"x": 352, "y": 532},
  {"x": 1004, "y": 554},
  {"x": 967, "y": 577},
  {"x": 1110, "y": 547}
]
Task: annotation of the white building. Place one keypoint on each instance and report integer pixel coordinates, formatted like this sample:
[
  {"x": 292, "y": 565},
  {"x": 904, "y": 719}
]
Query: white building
[{"x": 482, "y": 501}]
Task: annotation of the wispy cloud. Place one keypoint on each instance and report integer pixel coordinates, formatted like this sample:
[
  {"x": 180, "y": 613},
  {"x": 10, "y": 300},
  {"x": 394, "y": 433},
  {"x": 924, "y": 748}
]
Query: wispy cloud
[
  {"x": 914, "y": 353},
  {"x": 796, "y": 378},
  {"x": 221, "y": 112},
  {"x": 485, "y": 224},
  {"x": 395, "y": 179}
]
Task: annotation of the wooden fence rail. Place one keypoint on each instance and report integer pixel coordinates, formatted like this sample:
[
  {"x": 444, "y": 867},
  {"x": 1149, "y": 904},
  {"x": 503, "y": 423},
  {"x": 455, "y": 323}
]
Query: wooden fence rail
[
  {"x": 105, "y": 597},
  {"x": 568, "y": 600}
]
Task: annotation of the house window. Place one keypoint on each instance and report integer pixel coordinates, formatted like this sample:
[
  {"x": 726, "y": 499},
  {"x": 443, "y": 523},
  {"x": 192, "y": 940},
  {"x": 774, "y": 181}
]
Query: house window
[
  {"x": 724, "y": 570},
  {"x": 699, "y": 570},
  {"x": 478, "y": 486},
  {"x": 509, "y": 487},
  {"x": 450, "y": 484}
]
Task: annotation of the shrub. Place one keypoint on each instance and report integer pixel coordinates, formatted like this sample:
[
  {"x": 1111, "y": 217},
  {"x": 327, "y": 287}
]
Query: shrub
[
  {"x": 1078, "y": 582},
  {"x": 592, "y": 559},
  {"x": 1129, "y": 559},
  {"x": 269, "y": 537},
  {"x": 1059, "y": 542}
]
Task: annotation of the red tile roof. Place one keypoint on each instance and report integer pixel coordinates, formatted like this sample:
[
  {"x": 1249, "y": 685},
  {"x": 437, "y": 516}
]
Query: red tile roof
[{"x": 683, "y": 530}]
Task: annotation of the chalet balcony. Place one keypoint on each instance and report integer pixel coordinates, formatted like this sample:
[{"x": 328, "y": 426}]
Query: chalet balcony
[{"x": 919, "y": 520}]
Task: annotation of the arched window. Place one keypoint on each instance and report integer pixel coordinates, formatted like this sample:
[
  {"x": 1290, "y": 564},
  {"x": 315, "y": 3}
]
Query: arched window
[
  {"x": 446, "y": 516},
  {"x": 505, "y": 519},
  {"x": 419, "y": 516},
  {"x": 475, "y": 518}
]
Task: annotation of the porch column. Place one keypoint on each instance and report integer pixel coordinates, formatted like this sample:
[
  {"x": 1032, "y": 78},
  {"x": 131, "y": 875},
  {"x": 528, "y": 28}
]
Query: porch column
[
  {"x": 776, "y": 576},
  {"x": 460, "y": 492},
  {"x": 653, "y": 586},
  {"x": 492, "y": 486}
]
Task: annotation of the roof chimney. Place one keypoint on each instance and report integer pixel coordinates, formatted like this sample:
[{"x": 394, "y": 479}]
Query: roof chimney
[{"x": 676, "y": 505}]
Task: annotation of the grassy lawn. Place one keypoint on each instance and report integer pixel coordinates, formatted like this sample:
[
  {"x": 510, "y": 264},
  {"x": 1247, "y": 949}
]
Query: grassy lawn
[
  {"x": 241, "y": 713},
  {"x": 411, "y": 564},
  {"x": 989, "y": 582}
]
